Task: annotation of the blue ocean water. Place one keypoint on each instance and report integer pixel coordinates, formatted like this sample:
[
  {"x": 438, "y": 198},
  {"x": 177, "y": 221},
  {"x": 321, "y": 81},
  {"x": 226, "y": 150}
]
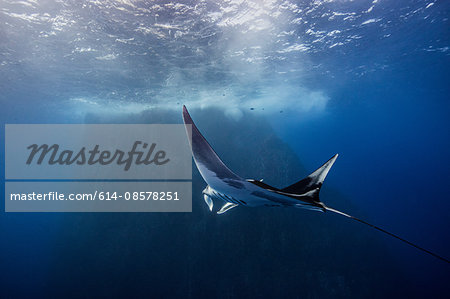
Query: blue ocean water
[{"x": 277, "y": 87}]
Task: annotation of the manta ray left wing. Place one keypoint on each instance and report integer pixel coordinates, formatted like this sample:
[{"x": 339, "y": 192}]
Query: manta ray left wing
[{"x": 212, "y": 169}]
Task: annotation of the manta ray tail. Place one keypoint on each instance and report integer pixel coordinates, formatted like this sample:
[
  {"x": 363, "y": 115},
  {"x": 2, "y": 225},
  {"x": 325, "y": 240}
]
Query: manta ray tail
[
  {"x": 388, "y": 233},
  {"x": 312, "y": 183}
]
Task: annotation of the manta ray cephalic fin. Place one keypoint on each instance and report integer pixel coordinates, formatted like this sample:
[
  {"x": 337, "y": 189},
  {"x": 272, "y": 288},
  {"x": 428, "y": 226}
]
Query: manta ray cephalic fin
[
  {"x": 208, "y": 201},
  {"x": 228, "y": 206}
]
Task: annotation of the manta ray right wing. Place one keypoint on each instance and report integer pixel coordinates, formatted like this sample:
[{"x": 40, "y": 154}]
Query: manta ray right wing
[{"x": 313, "y": 182}]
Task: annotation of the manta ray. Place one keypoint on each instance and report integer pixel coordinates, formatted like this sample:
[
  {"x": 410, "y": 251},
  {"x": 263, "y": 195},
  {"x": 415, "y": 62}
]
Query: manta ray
[{"x": 229, "y": 189}]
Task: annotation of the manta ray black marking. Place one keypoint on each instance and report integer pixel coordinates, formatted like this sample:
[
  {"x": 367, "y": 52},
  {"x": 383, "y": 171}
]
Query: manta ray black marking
[{"x": 230, "y": 189}]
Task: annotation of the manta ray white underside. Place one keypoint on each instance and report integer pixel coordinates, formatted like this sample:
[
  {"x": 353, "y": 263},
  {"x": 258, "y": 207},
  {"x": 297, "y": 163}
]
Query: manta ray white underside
[{"x": 231, "y": 190}]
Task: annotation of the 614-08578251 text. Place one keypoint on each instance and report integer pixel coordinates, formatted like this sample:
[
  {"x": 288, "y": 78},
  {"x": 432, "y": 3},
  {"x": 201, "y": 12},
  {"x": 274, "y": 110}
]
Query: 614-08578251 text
[
  {"x": 102, "y": 195},
  {"x": 98, "y": 168}
]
